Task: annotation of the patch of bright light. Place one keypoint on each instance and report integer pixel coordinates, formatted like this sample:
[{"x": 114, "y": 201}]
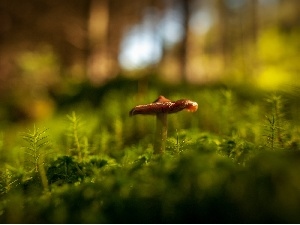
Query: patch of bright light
[
  {"x": 143, "y": 44},
  {"x": 171, "y": 28},
  {"x": 140, "y": 48},
  {"x": 273, "y": 78},
  {"x": 201, "y": 21}
]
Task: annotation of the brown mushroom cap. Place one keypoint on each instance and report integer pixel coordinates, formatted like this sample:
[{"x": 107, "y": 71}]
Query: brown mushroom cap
[{"x": 164, "y": 105}]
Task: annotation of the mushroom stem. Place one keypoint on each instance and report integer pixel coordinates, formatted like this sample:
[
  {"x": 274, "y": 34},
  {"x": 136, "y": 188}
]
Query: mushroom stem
[{"x": 161, "y": 133}]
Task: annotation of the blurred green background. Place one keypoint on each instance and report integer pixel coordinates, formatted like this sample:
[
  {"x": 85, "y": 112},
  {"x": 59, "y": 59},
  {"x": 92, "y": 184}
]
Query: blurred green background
[{"x": 50, "y": 51}]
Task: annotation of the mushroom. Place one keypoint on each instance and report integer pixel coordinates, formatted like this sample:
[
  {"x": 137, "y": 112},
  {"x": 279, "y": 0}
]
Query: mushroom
[{"x": 161, "y": 107}]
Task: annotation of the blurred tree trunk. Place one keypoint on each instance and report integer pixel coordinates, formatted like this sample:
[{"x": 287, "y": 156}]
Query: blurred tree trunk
[
  {"x": 237, "y": 29},
  {"x": 223, "y": 28},
  {"x": 98, "y": 67},
  {"x": 254, "y": 30},
  {"x": 254, "y": 25},
  {"x": 183, "y": 49}
]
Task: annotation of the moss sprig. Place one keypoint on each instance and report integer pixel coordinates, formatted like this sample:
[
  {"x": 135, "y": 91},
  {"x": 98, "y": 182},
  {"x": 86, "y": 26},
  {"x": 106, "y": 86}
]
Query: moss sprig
[
  {"x": 275, "y": 127},
  {"x": 36, "y": 141},
  {"x": 79, "y": 142}
]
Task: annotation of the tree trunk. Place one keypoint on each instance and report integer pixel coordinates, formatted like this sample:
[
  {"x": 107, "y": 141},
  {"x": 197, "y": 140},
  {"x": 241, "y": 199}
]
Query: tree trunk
[
  {"x": 98, "y": 60},
  {"x": 183, "y": 51}
]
